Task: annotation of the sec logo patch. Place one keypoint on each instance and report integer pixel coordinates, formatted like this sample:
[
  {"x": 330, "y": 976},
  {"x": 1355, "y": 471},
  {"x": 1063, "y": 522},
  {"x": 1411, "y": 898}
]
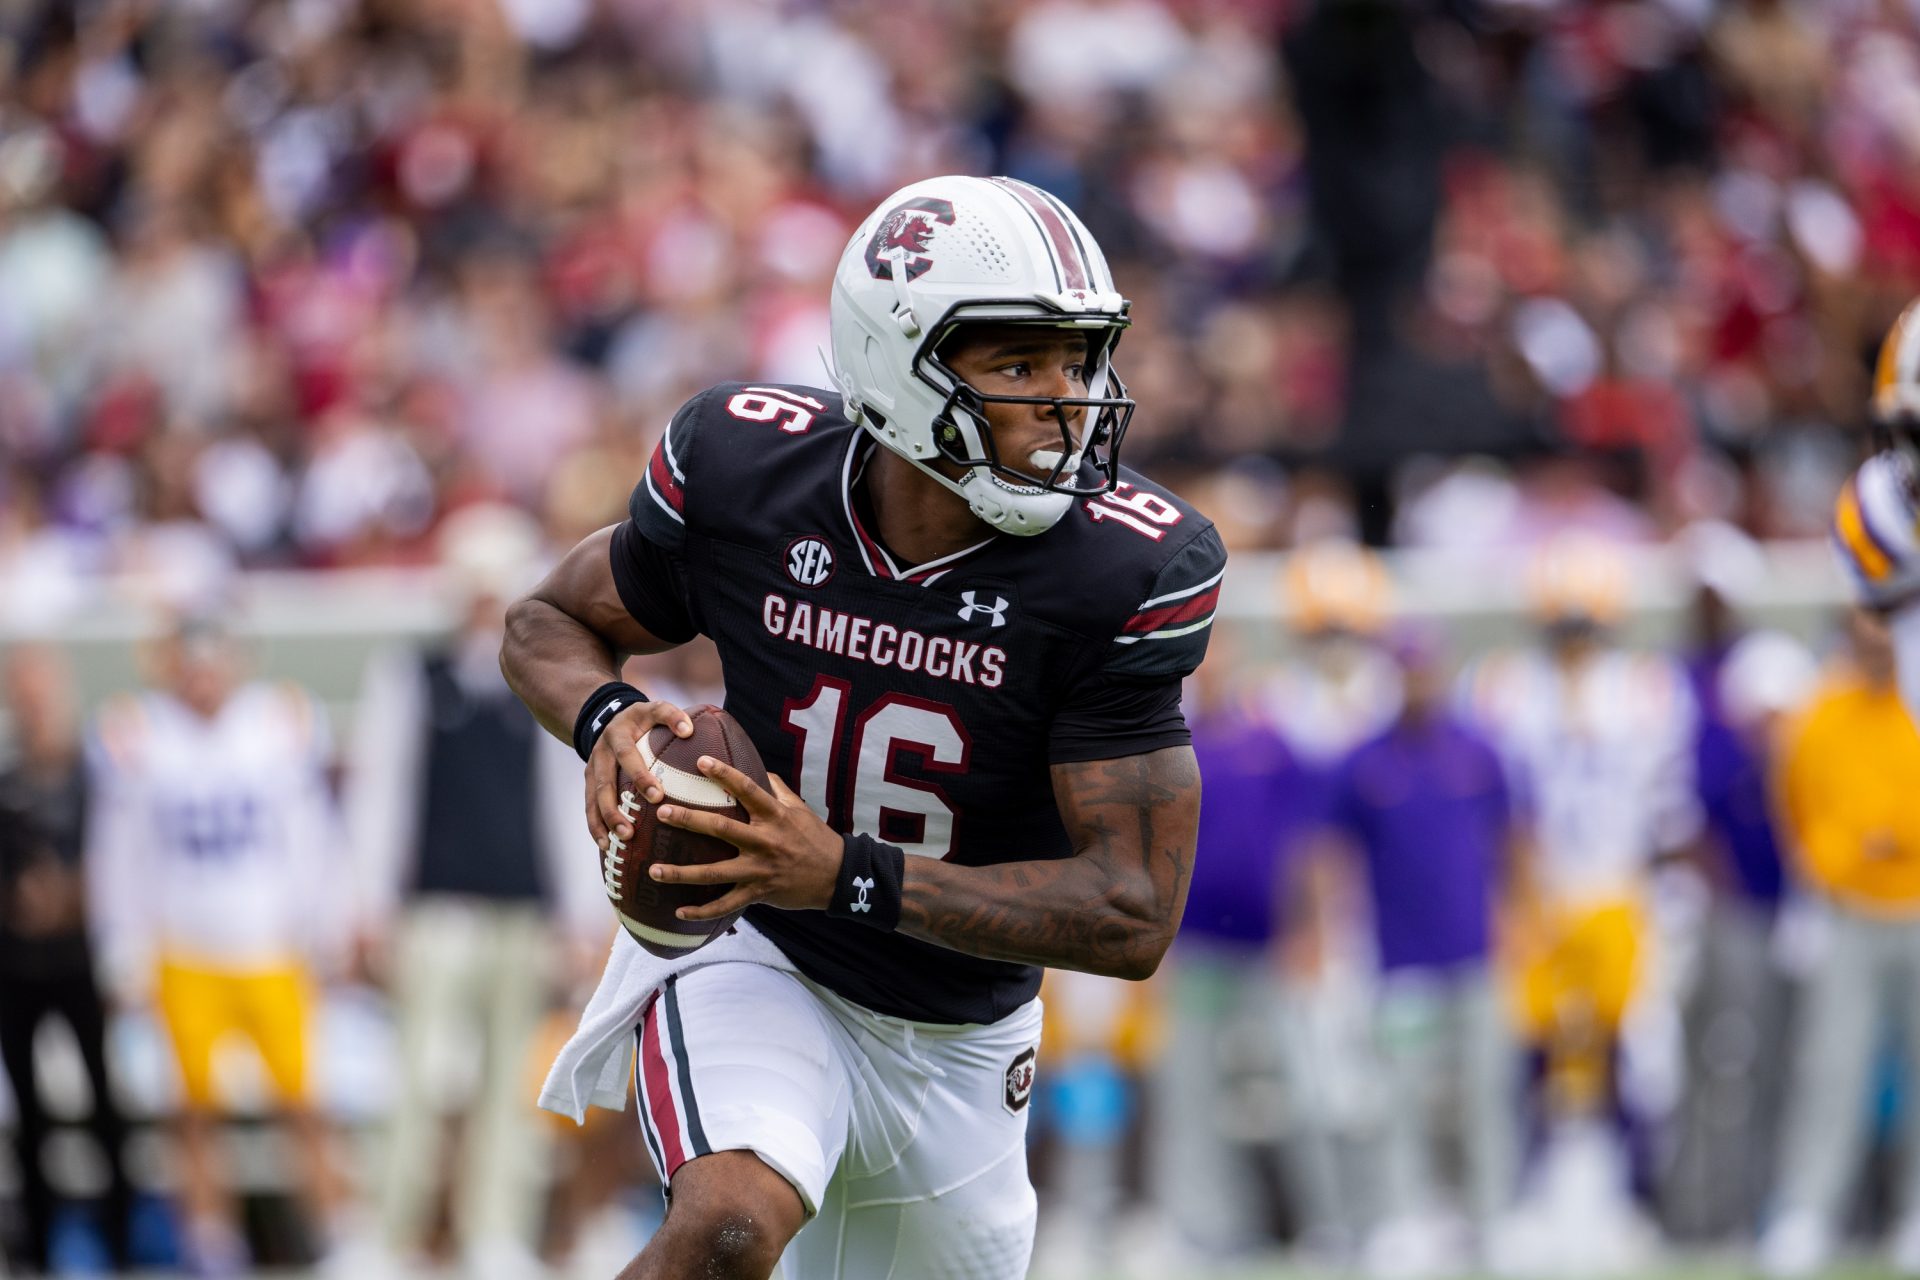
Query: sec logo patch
[
  {"x": 1020, "y": 1081},
  {"x": 809, "y": 561}
]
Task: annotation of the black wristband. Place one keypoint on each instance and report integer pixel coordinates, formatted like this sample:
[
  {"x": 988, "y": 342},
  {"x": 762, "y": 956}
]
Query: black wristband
[
  {"x": 600, "y": 707},
  {"x": 868, "y": 888}
]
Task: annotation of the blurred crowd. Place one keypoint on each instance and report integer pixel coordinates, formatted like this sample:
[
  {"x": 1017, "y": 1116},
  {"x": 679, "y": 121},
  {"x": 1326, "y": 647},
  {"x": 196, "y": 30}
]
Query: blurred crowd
[{"x": 284, "y": 284}]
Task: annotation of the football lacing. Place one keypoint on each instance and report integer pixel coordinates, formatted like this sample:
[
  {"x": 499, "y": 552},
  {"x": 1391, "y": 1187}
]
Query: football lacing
[{"x": 613, "y": 866}]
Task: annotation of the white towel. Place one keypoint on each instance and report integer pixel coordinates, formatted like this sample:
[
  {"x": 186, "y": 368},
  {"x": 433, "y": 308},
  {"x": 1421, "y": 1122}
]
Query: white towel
[{"x": 595, "y": 1067}]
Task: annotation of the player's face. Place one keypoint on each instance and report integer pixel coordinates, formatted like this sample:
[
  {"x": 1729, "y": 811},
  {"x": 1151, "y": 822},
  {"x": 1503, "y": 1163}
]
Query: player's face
[
  {"x": 1571, "y": 637},
  {"x": 38, "y": 691},
  {"x": 201, "y": 670},
  {"x": 1021, "y": 360}
]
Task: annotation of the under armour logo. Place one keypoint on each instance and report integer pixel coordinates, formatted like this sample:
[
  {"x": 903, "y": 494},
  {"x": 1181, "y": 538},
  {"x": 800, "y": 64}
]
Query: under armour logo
[
  {"x": 862, "y": 883},
  {"x": 996, "y": 611},
  {"x": 605, "y": 711}
]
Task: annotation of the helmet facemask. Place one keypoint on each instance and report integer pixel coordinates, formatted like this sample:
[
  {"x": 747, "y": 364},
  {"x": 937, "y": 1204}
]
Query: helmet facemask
[{"x": 1083, "y": 466}]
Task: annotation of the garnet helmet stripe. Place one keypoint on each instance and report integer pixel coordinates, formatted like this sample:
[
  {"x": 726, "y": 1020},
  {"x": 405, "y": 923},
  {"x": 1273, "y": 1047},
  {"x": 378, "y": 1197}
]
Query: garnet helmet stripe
[
  {"x": 1066, "y": 254},
  {"x": 1079, "y": 245}
]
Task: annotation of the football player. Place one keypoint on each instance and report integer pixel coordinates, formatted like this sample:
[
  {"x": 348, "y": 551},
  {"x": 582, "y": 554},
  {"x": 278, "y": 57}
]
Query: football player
[
  {"x": 1876, "y": 521},
  {"x": 213, "y": 838},
  {"x": 955, "y": 628},
  {"x": 1597, "y": 740}
]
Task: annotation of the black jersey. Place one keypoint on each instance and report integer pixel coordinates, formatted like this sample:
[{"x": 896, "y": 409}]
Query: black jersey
[{"x": 922, "y": 705}]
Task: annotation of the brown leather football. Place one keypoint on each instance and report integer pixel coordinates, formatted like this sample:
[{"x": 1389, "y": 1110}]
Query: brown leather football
[{"x": 644, "y": 905}]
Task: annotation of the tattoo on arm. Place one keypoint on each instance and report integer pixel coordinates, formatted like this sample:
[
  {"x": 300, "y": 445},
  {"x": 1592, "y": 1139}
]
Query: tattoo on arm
[{"x": 1111, "y": 908}]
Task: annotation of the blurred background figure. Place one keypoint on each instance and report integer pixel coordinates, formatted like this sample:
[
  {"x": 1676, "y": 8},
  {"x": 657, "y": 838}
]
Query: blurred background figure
[
  {"x": 1337, "y": 689},
  {"x": 1848, "y": 775},
  {"x": 479, "y": 907},
  {"x": 218, "y": 878},
  {"x": 1099, "y": 1035},
  {"x": 46, "y": 963},
  {"x": 1737, "y": 1014},
  {"x": 1422, "y": 812},
  {"x": 1220, "y": 1086},
  {"x": 1598, "y": 744}
]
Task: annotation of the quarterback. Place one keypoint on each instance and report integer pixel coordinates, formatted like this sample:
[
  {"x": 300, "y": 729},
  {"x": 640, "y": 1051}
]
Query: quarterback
[
  {"x": 1876, "y": 522},
  {"x": 955, "y": 628}
]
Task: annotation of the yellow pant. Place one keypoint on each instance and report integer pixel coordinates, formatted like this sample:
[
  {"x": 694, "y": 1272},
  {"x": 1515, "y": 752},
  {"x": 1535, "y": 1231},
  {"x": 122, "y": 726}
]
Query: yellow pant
[
  {"x": 1578, "y": 964},
  {"x": 1578, "y": 969},
  {"x": 202, "y": 1005}
]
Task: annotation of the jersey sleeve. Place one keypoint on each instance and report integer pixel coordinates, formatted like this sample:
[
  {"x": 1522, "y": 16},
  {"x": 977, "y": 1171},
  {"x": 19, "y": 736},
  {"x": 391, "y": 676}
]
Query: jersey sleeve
[
  {"x": 1876, "y": 532},
  {"x": 1131, "y": 703},
  {"x": 1165, "y": 636},
  {"x": 648, "y": 555},
  {"x": 1108, "y": 717},
  {"x": 652, "y": 582},
  {"x": 658, "y": 506}
]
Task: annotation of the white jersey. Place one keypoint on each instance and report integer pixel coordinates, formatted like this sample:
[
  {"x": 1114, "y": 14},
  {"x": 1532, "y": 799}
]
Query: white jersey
[
  {"x": 1600, "y": 758},
  {"x": 1323, "y": 714},
  {"x": 214, "y": 839},
  {"x": 1876, "y": 530}
]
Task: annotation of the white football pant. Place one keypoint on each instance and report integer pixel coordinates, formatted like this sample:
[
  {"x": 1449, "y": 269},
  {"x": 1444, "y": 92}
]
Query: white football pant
[{"x": 905, "y": 1140}]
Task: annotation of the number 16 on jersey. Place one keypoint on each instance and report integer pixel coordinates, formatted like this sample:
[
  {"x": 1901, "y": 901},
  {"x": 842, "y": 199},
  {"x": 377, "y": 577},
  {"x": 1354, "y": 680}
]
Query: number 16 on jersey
[{"x": 871, "y": 797}]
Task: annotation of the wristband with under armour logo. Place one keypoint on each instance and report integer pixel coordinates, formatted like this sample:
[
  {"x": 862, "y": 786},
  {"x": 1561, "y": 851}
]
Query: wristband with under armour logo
[
  {"x": 868, "y": 889},
  {"x": 598, "y": 711}
]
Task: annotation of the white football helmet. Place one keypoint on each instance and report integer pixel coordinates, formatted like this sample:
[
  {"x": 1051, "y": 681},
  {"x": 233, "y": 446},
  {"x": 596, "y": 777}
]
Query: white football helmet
[{"x": 953, "y": 251}]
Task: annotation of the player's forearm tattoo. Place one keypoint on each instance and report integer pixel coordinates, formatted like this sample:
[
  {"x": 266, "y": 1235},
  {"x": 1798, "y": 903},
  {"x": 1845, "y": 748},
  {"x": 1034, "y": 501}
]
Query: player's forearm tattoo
[{"x": 1111, "y": 908}]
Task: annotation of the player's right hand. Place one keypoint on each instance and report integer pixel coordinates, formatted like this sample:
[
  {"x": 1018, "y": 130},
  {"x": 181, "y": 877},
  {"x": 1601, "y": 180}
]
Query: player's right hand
[{"x": 617, "y": 752}]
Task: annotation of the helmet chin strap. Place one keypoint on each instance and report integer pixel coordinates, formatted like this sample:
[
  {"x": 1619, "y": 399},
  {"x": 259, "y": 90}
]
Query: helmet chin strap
[
  {"x": 1001, "y": 504},
  {"x": 1006, "y": 511},
  {"x": 1023, "y": 514}
]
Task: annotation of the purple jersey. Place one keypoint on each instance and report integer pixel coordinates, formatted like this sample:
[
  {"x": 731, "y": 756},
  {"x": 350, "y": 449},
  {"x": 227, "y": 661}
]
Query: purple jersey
[
  {"x": 1428, "y": 806},
  {"x": 1249, "y": 816}
]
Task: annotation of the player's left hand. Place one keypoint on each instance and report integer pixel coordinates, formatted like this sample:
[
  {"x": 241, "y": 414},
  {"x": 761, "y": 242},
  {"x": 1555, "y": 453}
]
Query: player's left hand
[{"x": 788, "y": 856}]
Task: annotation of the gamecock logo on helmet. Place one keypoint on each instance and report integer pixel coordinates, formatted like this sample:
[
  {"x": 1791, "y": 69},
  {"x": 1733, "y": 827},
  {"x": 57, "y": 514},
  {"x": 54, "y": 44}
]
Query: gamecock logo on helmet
[{"x": 907, "y": 226}]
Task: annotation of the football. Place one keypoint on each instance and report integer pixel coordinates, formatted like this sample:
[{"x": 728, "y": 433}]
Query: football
[{"x": 645, "y": 906}]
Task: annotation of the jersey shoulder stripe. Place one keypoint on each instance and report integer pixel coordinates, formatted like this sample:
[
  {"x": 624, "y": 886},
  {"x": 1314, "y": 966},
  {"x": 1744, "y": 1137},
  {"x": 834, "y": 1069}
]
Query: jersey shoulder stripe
[
  {"x": 725, "y": 450},
  {"x": 1165, "y": 635},
  {"x": 1189, "y": 604},
  {"x": 659, "y": 502},
  {"x": 663, "y": 482}
]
